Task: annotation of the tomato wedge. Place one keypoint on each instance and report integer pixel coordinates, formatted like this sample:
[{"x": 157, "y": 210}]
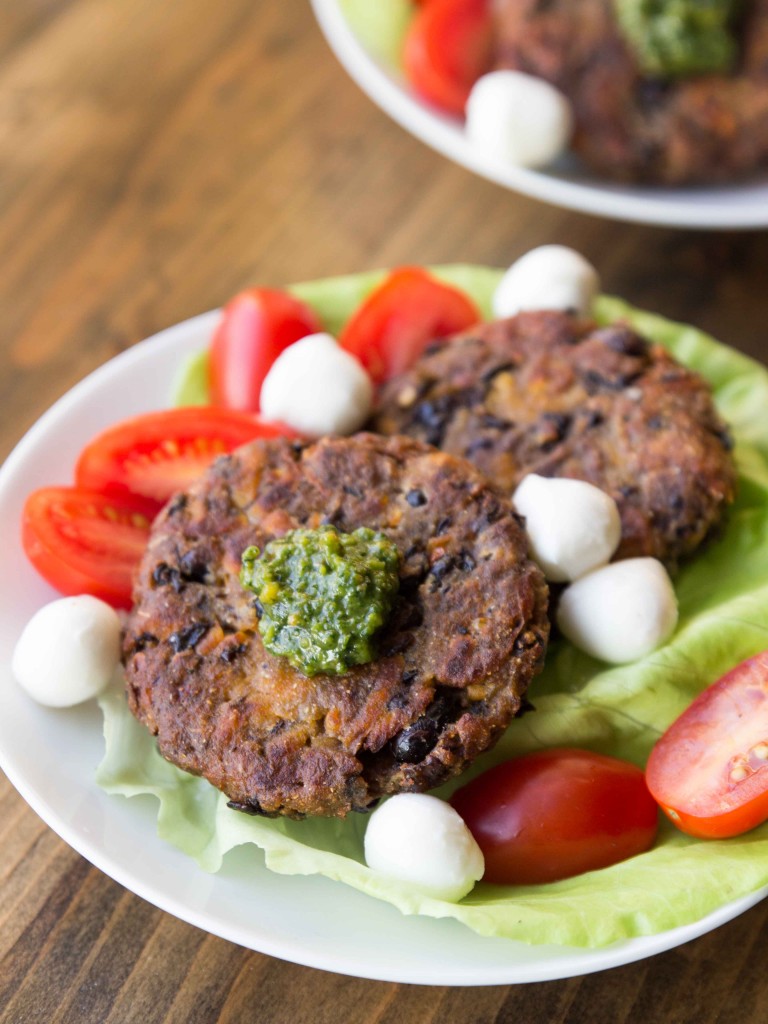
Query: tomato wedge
[
  {"x": 557, "y": 813},
  {"x": 447, "y": 48},
  {"x": 82, "y": 542},
  {"x": 400, "y": 318},
  {"x": 255, "y": 327},
  {"x": 709, "y": 771},
  {"x": 159, "y": 453}
]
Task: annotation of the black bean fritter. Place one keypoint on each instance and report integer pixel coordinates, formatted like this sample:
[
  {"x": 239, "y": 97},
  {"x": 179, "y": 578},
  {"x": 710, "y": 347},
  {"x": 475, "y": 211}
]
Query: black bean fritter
[
  {"x": 545, "y": 393},
  {"x": 467, "y": 634},
  {"x": 630, "y": 126}
]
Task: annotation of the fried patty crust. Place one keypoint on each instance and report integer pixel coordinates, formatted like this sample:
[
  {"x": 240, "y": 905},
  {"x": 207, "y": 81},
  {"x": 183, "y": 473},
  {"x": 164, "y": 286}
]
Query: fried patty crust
[
  {"x": 467, "y": 634},
  {"x": 704, "y": 128},
  {"x": 546, "y": 393}
]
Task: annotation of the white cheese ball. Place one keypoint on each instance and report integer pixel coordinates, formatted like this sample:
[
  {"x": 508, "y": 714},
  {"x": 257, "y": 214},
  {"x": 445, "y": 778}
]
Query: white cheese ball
[
  {"x": 621, "y": 612},
  {"x": 68, "y": 652},
  {"x": 549, "y": 277},
  {"x": 572, "y": 526},
  {"x": 318, "y": 388},
  {"x": 518, "y": 119},
  {"x": 419, "y": 839}
]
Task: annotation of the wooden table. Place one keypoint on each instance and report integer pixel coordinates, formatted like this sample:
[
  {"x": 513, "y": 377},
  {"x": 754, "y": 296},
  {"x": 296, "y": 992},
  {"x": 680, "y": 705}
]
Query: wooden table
[{"x": 155, "y": 158}]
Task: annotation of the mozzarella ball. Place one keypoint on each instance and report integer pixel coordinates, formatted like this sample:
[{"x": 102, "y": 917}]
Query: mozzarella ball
[
  {"x": 518, "y": 119},
  {"x": 550, "y": 277},
  {"x": 419, "y": 839},
  {"x": 572, "y": 526},
  {"x": 68, "y": 652},
  {"x": 318, "y": 388},
  {"x": 621, "y": 612}
]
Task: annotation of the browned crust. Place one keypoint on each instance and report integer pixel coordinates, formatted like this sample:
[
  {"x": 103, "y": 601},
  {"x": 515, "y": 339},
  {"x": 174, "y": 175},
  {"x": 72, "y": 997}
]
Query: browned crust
[
  {"x": 544, "y": 393},
  {"x": 467, "y": 635},
  {"x": 707, "y": 128}
]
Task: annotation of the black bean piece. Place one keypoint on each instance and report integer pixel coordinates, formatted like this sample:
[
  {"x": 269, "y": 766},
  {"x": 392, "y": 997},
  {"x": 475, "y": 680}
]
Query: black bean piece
[
  {"x": 624, "y": 340},
  {"x": 252, "y": 807},
  {"x": 440, "y": 570},
  {"x": 525, "y": 641},
  {"x": 164, "y": 575},
  {"x": 183, "y": 639},
  {"x": 414, "y": 743},
  {"x": 408, "y": 676},
  {"x": 178, "y": 504},
  {"x": 466, "y": 561},
  {"x": 232, "y": 653},
  {"x": 442, "y": 526},
  {"x": 592, "y": 418},
  {"x": 144, "y": 640},
  {"x": 594, "y": 381},
  {"x": 193, "y": 566},
  {"x": 416, "y": 498},
  {"x": 551, "y": 429}
]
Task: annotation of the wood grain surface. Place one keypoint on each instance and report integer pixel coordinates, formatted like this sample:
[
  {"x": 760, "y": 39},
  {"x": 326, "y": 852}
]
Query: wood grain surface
[{"x": 155, "y": 157}]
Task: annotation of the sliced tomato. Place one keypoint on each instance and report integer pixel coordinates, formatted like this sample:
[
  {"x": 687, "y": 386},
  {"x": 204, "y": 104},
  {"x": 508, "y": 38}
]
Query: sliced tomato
[
  {"x": 159, "y": 453},
  {"x": 447, "y": 48},
  {"x": 400, "y": 318},
  {"x": 557, "y": 813},
  {"x": 255, "y": 327},
  {"x": 709, "y": 771},
  {"x": 82, "y": 542}
]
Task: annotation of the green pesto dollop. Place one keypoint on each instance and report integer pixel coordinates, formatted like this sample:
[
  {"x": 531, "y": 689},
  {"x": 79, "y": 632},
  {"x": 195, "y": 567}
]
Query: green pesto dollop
[
  {"x": 675, "y": 38},
  {"x": 322, "y": 595}
]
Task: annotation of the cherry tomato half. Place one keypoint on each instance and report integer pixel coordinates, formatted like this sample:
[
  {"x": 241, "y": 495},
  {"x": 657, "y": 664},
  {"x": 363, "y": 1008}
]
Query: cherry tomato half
[
  {"x": 82, "y": 542},
  {"x": 447, "y": 48},
  {"x": 557, "y": 813},
  {"x": 401, "y": 317},
  {"x": 255, "y": 327},
  {"x": 709, "y": 771},
  {"x": 159, "y": 453}
]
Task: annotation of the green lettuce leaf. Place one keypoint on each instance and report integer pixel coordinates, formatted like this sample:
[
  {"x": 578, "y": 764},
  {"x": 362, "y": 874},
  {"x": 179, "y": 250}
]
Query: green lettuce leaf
[
  {"x": 723, "y": 598},
  {"x": 380, "y": 26}
]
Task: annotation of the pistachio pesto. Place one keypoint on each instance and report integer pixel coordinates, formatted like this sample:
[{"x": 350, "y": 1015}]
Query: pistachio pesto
[
  {"x": 675, "y": 38},
  {"x": 321, "y": 595}
]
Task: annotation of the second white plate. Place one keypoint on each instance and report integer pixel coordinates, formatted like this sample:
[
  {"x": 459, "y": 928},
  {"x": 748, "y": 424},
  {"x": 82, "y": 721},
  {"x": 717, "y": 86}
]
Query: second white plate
[{"x": 743, "y": 206}]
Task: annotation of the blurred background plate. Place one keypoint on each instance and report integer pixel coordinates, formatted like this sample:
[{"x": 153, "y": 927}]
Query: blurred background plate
[{"x": 568, "y": 185}]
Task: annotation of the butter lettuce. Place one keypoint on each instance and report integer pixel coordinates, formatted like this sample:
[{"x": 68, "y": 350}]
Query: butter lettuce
[{"x": 723, "y": 599}]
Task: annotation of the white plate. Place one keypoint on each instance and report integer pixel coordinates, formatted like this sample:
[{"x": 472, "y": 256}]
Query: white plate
[
  {"x": 736, "y": 206},
  {"x": 50, "y": 756}
]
